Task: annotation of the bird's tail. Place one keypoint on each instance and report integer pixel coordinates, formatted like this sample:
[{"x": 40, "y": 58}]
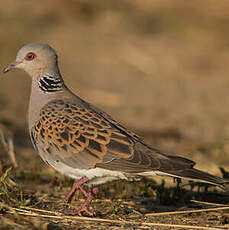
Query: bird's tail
[{"x": 198, "y": 175}]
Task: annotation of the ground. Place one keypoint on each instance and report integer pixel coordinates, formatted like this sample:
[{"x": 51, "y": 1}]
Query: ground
[
  {"x": 32, "y": 197},
  {"x": 159, "y": 67}
]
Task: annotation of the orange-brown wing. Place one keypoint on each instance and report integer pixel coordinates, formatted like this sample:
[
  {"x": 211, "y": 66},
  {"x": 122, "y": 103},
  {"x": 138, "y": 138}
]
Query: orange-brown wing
[{"x": 79, "y": 136}]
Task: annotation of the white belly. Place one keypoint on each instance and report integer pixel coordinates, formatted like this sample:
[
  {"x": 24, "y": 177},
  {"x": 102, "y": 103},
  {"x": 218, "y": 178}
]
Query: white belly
[{"x": 95, "y": 175}]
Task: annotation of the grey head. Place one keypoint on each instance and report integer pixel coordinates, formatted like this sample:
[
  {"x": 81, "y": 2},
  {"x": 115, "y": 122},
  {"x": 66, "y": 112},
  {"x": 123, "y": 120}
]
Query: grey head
[{"x": 36, "y": 59}]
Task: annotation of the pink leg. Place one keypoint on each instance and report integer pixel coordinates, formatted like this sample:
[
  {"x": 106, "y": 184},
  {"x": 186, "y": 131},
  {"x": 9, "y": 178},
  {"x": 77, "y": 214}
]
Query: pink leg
[
  {"x": 77, "y": 185},
  {"x": 90, "y": 196}
]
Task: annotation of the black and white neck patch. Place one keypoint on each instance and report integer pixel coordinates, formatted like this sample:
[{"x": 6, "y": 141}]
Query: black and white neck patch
[{"x": 50, "y": 83}]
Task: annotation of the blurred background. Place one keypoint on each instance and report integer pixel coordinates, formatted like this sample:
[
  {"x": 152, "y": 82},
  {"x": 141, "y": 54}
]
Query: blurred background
[{"x": 159, "y": 67}]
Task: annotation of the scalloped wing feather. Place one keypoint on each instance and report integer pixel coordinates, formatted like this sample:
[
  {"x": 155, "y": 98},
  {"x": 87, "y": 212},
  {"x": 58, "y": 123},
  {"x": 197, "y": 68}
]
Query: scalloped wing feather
[{"x": 73, "y": 132}]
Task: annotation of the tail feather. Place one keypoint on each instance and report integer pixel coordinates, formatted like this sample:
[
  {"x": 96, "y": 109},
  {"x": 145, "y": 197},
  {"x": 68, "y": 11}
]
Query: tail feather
[{"x": 198, "y": 175}]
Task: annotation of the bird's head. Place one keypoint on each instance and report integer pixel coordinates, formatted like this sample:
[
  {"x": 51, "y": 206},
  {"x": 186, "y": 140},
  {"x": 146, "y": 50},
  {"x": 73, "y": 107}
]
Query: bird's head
[{"x": 35, "y": 58}]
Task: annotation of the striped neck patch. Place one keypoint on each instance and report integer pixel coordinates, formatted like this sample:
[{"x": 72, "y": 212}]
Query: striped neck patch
[{"x": 50, "y": 83}]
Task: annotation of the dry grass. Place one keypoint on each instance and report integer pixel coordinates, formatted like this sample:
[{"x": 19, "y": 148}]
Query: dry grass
[{"x": 55, "y": 215}]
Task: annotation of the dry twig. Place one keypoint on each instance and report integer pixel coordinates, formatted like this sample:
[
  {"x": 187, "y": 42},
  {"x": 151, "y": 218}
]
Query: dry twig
[
  {"x": 208, "y": 203},
  {"x": 188, "y": 211}
]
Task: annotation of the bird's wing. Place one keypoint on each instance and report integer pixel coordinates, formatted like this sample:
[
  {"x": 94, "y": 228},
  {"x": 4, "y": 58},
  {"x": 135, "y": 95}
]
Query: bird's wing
[
  {"x": 83, "y": 137},
  {"x": 144, "y": 157}
]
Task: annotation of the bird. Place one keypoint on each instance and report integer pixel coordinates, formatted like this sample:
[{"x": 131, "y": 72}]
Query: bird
[{"x": 83, "y": 142}]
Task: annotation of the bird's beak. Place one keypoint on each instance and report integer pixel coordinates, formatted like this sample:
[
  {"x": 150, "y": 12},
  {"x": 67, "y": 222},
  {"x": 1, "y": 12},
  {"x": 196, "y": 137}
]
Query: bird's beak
[{"x": 10, "y": 66}]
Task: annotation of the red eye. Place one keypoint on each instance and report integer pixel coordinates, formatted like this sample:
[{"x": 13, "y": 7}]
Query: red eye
[{"x": 30, "y": 56}]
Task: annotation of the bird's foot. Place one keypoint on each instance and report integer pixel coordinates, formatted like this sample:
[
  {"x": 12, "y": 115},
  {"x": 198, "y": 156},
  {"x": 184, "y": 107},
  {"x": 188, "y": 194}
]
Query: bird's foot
[
  {"x": 85, "y": 207},
  {"x": 90, "y": 196},
  {"x": 77, "y": 185},
  {"x": 79, "y": 212}
]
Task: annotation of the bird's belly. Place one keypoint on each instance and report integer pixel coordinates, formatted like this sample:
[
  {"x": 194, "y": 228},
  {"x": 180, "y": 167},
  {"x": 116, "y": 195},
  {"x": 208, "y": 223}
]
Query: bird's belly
[{"x": 95, "y": 175}]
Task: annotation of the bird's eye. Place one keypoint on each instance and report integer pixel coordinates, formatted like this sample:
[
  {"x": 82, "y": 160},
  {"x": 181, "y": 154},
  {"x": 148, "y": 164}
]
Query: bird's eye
[{"x": 30, "y": 56}]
